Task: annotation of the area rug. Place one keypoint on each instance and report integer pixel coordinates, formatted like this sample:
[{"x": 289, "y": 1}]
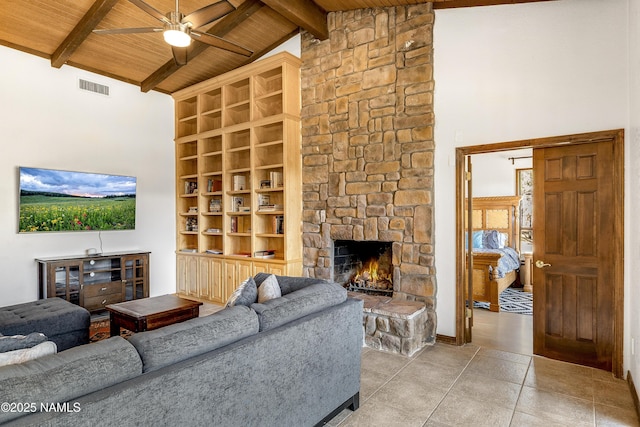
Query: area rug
[
  {"x": 99, "y": 330},
  {"x": 512, "y": 301}
]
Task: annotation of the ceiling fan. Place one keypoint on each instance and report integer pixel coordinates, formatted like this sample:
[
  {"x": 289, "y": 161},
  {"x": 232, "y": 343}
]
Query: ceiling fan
[{"x": 179, "y": 29}]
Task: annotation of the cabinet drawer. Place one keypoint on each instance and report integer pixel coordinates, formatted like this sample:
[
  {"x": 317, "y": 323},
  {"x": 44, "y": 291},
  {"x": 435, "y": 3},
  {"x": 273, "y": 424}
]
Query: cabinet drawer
[
  {"x": 102, "y": 289},
  {"x": 97, "y": 303}
]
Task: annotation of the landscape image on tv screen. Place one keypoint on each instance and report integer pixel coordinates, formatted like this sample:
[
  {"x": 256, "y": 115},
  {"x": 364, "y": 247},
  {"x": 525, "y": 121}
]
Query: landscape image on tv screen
[{"x": 55, "y": 200}]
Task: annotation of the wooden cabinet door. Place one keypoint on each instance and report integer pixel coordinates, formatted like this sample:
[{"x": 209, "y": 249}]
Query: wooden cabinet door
[
  {"x": 204, "y": 278},
  {"x": 135, "y": 275},
  {"x": 216, "y": 281},
  {"x": 187, "y": 275}
]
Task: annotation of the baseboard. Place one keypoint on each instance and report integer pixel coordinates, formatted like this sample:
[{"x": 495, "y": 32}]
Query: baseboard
[
  {"x": 446, "y": 339},
  {"x": 634, "y": 393}
]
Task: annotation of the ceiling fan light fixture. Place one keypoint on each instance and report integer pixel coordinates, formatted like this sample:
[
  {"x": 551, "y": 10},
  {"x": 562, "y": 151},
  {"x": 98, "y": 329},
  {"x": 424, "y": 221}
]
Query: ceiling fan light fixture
[{"x": 176, "y": 36}]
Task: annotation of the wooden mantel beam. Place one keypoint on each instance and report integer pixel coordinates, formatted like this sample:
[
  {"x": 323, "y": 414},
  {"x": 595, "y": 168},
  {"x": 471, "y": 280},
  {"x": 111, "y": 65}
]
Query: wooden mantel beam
[
  {"x": 304, "y": 13},
  {"x": 85, "y": 26},
  {"x": 222, "y": 28}
]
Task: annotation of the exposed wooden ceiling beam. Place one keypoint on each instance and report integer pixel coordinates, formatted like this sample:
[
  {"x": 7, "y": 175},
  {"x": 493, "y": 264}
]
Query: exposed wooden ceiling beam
[
  {"x": 450, "y": 4},
  {"x": 304, "y": 13},
  {"x": 226, "y": 24},
  {"x": 87, "y": 24}
]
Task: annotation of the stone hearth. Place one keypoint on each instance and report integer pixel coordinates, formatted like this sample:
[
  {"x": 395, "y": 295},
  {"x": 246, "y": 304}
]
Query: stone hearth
[{"x": 367, "y": 145}]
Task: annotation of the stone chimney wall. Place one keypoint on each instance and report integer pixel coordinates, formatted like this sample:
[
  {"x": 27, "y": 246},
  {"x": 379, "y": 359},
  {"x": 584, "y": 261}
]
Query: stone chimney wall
[{"x": 367, "y": 142}]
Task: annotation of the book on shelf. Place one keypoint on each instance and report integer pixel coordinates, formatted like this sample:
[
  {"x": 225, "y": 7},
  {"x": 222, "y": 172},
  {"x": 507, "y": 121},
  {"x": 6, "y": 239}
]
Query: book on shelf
[
  {"x": 214, "y": 251},
  {"x": 234, "y": 225},
  {"x": 268, "y": 208},
  {"x": 214, "y": 185},
  {"x": 278, "y": 224},
  {"x": 242, "y": 254},
  {"x": 268, "y": 254},
  {"x": 264, "y": 199},
  {"x": 189, "y": 250},
  {"x": 239, "y": 182},
  {"x": 215, "y": 205}
]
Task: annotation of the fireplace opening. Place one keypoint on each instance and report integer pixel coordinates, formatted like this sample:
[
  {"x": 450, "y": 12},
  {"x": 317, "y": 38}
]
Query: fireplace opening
[{"x": 363, "y": 266}]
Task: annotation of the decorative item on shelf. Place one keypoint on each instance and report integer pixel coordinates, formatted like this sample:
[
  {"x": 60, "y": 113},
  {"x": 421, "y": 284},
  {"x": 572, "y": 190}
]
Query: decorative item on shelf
[
  {"x": 190, "y": 187},
  {"x": 193, "y": 209},
  {"x": 234, "y": 224},
  {"x": 189, "y": 250},
  {"x": 263, "y": 199},
  {"x": 191, "y": 224},
  {"x": 265, "y": 183},
  {"x": 214, "y": 185},
  {"x": 239, "y": 183},
  {"x": 237, "y": 203},
  {"x": 278, "y": 224},
  {"x": 215, "y": 205},
  {"x": 213, "y": 230},
  {"x": 276, "y": 179}
]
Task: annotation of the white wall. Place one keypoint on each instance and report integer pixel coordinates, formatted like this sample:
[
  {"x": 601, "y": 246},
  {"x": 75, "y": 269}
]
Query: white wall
[
  {"x": 494, "y": 174},
  {"x": 521, "y": 71},
  {"x": 632, "y": 295},
  {"x": 46, "y": 121}
]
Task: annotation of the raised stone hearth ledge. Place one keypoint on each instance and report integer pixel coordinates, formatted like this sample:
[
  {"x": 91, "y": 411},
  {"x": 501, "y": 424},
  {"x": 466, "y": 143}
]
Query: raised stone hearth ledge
[{"x": 394, "y": 325}]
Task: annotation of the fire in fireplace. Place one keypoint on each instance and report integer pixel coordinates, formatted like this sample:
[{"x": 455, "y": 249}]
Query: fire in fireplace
[{"x": 364, "y": 266}]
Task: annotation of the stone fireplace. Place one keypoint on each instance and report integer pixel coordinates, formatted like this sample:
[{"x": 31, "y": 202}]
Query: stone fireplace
[
  {"x": 363, "y": 266},
  {"x": 367, "y": 146}
]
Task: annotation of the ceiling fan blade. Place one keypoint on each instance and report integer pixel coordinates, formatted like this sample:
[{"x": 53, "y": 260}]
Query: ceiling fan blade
[
  {"x": 179, "y": 55},
  {"x": 208, "y": 14},
  {"x": 151, "y": 11},
  {"x": 128, "y": 30},
  {"x": 220, "y": 43}
]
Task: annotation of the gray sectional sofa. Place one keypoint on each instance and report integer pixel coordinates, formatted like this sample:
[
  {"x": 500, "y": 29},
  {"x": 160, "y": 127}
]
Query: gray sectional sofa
[{"x": 290, "y": 361}]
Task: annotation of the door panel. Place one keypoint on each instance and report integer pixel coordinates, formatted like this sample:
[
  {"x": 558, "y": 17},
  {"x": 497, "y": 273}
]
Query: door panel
[{"x": 573, "y": 296}]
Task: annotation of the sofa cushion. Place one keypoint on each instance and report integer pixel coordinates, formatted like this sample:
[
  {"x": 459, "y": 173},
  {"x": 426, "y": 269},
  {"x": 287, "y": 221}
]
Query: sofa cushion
[
  {"x": 25, "y": 354},
  {"x": 70, "y": 374},
  {"x": 297, "y": 304},
  {"x": 246, "y": 294},
  {"x": 180, "y": 341},
  {"x": 269, "y": 289}
]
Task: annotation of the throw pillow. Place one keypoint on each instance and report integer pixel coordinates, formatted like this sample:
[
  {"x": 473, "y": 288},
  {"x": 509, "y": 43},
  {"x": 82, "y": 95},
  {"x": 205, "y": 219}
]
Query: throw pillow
[
  {"x": 18, "y": 342},
  {"x": 269, "y": 289},
  {"x": 25, "y": 354},
  {"x": 246, "y": 294}
]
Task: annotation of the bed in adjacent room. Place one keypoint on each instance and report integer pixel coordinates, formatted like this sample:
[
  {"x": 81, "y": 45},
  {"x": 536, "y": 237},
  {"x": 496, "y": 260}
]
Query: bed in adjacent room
[{"x": 496, "y": 252}]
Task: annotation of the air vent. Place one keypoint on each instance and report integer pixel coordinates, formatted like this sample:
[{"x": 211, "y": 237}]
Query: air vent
[{"x": 93, "y": 87}]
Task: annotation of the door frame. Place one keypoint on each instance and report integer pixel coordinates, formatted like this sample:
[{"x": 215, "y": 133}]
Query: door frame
[{"x": 616, "y": 136}]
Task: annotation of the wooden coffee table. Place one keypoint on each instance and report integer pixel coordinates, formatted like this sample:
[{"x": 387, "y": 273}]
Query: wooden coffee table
[{"x": 151, "y": 313}]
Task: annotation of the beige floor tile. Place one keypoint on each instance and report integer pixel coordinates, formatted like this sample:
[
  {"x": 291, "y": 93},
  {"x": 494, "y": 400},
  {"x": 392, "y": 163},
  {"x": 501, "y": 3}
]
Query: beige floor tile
[
  {"x": 520, "y": 419},
  {"x": 504, "y": 355},
  {"x": 414, "y": 397},
  {"x": 556, "y": 407},
  {"x": 560, "y": 377},
  {"x": 437, "y": 376},
  {"x": 446, "y": 355},
  {"x": 489, "y": 390},
  {"x": 610, "y": 416},
  {"x": 370, "y": 382},
  {"x": 463, "y": 411},
  {"x": 378, "y": 415},
  {"x": 613, "y": 393},
  {"x": 384, "y": 363},
  {"x": 500, "y": 369}
]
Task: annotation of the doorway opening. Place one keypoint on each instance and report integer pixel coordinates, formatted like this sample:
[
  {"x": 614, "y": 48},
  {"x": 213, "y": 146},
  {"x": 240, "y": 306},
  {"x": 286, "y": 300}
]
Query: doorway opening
[{"x": 545, "y": 340}]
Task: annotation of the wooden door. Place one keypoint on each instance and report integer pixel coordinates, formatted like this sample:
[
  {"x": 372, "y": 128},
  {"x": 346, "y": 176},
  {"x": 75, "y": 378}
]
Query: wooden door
[{"x": 574, "y": 250}]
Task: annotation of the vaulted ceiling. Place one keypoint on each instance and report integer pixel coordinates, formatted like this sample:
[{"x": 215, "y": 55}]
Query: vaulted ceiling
[{"x": 62, "y": 32}]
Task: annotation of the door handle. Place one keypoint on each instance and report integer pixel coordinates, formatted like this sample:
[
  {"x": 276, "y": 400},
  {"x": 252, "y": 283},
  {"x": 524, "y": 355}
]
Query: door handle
[{"x": 542, "y": 264}]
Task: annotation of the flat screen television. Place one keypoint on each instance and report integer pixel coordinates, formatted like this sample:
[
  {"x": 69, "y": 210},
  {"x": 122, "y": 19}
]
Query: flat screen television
[{"x": 57, "y": 200}]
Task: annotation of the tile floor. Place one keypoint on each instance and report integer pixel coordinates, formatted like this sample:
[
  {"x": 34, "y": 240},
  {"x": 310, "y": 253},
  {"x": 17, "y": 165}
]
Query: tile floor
[
  {"x": 496, "y": 383},
  {"x": 446, "y": 385}
]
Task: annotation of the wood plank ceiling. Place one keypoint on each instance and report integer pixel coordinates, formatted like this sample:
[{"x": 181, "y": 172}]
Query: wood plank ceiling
[{"x": 61, "y": 31}]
